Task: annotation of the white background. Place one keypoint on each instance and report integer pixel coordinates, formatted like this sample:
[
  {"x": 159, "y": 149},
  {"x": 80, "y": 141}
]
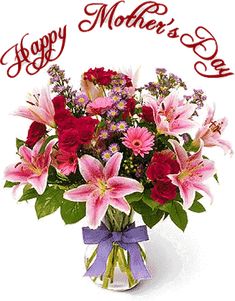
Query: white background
[{"x": 43, "y": 260}]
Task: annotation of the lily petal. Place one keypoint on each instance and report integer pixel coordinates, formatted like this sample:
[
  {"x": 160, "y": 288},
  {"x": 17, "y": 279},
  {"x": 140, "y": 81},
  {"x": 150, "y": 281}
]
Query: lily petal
[
  {"x": 120, "y": 204},
  {"x": 206, "y": 170},
  {"x": 121, "y": 186},
  {"x": 113, "y": 165},
  {"x": 17, "y": 173},
  {"x": 25, "y": 152},
  {"x": 45, "y": 101},
  {"x": 81, "y": 193},
  {"x": 181, "y": 126},
  {"x": 204, "y": 190},
  {"x": 187, "y": 193},
  {"x": 96, "y": 208},
  {"x": 181, "y": 154},
  {"x": 90, "y": 168},
  {"x": 39, "y": 182}
]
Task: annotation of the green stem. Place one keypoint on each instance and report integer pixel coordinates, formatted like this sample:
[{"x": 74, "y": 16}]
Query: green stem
[
  {"x": 126, "y": 267},
  {"x": 89, "y": 260},
  {"x": 108, "y": 270},
  {"x": 143, "y": 254}
]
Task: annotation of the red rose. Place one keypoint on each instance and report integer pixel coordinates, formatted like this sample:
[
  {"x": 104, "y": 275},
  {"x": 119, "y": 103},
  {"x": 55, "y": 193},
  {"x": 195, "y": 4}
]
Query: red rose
[
  {"x": 163, "y": 192},
  {"x": 99, "y": 76},
  {"x": 86, "y": 128},
  {"x": 129, "y": 108},
  {"x": 128, "y": 81},
  {"x": 69, "y": 140},
  {"x": 162, "y": 164},
  {"x": 36, "y": 132},
  {"x": 74, "y": 132},
  {"x": 147, "y": 114},
  {"x": 64, "y": 119},
  {"x": 59, "y": 103}
]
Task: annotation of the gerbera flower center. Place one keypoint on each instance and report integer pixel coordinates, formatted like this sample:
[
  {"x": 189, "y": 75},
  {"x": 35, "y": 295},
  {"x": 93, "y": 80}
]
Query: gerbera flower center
[{"x": 137, "y": 143}]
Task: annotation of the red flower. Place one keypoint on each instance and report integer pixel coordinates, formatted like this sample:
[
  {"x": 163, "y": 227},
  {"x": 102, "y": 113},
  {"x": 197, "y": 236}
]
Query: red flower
[
  {"x": 36, "y": 132},
  {"x": 59, "y": 103},
  {"x": 69, "y": 140},
  {"x": 128, "y": 81},
  {"x": 163, "y": 192},
  {"x": 99, "y": 76},
  {"x": 147, "y": 114},
  {"x": 86, "y": 128},
  {"x": 73, "y": 132},
  {"x": 161, "y": 165},
  {"x": 129, "y": 108}
]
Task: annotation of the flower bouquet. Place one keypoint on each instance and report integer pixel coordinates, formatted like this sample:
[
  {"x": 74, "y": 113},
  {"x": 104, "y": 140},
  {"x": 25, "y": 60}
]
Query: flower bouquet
[{"x": 111, "y": 149}]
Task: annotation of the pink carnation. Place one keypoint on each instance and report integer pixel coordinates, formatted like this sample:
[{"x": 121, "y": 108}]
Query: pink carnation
[
  {"x": 100, "y": 105},
  {"x": 65, "y": 162},
  {"x": 140, "y": 140}
]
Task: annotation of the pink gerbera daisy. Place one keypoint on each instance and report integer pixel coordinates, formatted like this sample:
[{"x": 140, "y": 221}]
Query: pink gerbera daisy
[{"x": 140, "y": 140}]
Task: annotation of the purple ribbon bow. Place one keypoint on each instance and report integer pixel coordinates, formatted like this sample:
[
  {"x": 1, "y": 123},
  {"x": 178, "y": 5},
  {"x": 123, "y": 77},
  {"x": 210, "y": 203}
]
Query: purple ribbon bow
[{"x": 128, "y": 240}]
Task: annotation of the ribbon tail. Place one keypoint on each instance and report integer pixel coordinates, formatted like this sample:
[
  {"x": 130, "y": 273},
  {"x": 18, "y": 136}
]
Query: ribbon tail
[
  {"x": 137, "y": 264},
  {"x": 99, "y": 266}
]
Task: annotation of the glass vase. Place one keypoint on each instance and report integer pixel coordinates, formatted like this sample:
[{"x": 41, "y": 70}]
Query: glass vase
[{"x": 118, "y": 275}]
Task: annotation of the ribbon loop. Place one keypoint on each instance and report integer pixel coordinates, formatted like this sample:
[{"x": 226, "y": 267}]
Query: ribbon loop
[{"x": 128, "y": 240}]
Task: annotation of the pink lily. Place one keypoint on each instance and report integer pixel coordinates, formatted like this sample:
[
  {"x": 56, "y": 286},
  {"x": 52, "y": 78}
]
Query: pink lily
[
  {"x": 104, "y": 187},
  {"x": 193, "y": 171},
  {"x": 33, "y": 168},
  {"x": 40, "y": 109},
  {"x": 211, "y": 132},
  {"x": 171, "y": 114}
]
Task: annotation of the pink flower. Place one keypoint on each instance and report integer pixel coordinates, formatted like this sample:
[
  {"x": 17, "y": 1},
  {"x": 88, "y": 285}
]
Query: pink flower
[
  {"x": 193, "y": 171},
  {"x": 140, "y": 140},
  {"x": 33, "y": 168},
  {"x": 99, "y": 106},
  {"x": 65, "y": 162},
  {"x": 104, "y": 187},
  {"x": 172, "y": 115},
  {"x": 211, "y": 132},
  {"x": 40, "y": 109}
]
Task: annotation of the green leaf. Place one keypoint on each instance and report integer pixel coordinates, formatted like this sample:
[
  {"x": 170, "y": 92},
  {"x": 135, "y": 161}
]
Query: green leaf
[
  {"x": 19, "y": 143},
  {"x": 28, "y": 194},
  {"x": 149, "y": 216},
  {"x": 149, "y": 201},
  {"x": 197, "y": 207},
  {"x": 43, "y": 147},
  {"x": 198, "y": 196},
  {"x": 141, "y": 208},
  {"x": 216, "y": 178},
  {"x": 9, "y": 184},
  {"x": 153, "y": 218},
  {"x": 177, "y": 214},
  {"x": 49, "y": 201},
  {"x": 72, "y": 212},
  {"x": 134, "y": 197}
]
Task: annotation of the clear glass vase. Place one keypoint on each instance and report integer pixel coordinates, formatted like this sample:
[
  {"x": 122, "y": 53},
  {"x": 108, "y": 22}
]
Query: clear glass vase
[{"x": 118, "y": 275}]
